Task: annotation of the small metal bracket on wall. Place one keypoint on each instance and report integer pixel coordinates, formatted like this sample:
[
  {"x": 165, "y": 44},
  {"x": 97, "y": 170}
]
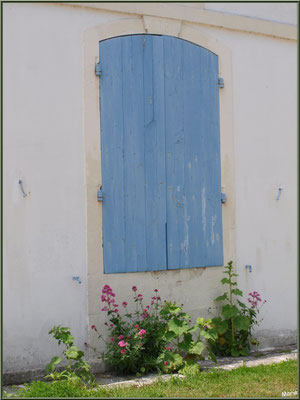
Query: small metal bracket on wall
[
  {"x": 76, "y": 278},
  {"x": 221, "y": 82},
  {"x": 249, "y": 267},
  {"x": 223, "y": 198},
  {"x": 21, "y": 186},
  {"x": 279, "y": 193}
]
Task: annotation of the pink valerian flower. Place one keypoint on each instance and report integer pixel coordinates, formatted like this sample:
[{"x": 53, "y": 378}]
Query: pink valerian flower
[
  {"x": 140, "y": 297},
  {"x": 94, "y": 327},
  {"x": 122, "y": 343},
  {"x": 123, "y": 351},
  {"x": 137, "y": 327},
  {"x": 153, "y": 298},
  {"x": 115, "y": 305},
  {"x": 105, "y": 309},
  {"x": 142, "y": 333},
  {"x": 124, "y": 304},
  {"x": 116, "y": 310},
  {"x": 108, "y": 290},
  {"x": 86, "y": 343},
  {"x": 255, "y": 299},
  {"x": 112, "y": 339},
  {"x": 121, "y": 337},
  {"x": 166, "y": 363},
  {"x": 144, "y": 315},
  {"x": 111, "y": 325},
  {"x": 134, "y": 288},
  {"x": 168, "y": 348},
  {"x": 155, "y": 290}
]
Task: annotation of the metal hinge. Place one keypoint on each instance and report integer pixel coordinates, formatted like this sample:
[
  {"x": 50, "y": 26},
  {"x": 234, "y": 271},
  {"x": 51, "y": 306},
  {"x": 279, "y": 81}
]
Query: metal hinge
[
  {"x": 223, "y": 198},
  {"x": 100, "y": 194},
  {"x": 221, "y": 82},
  {"x": 97, "y": 69}
]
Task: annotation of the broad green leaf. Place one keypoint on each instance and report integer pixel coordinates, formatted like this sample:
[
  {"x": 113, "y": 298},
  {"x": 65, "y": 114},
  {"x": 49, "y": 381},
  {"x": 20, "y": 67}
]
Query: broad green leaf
[
  {"x": 241, "y": 304},
  {"x": 185, "y": 344},
  {"x": 237, "y": 292},
  {"x": 225, "y": 280},
  {"x": 209, "y": 334},
  {"x": 170, "y": 335},
  {"x": 73, "y": 353},
  {"x": 230, "y": 311},
  {"x": 223, "y": 297},
  {"x": 54, "y": 361},
  {"x": 217, "y": 320},
  {"x": 200, "y": 321},
  {"x": 177, "y": 360},
  {"x": 197, "y": 348},
  {"x": 242, "y": 323},
  {"x": 177, "y": 326}
]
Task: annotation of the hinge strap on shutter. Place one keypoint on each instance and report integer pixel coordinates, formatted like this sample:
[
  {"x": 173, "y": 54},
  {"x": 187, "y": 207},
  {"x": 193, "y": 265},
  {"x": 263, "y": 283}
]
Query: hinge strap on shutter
[
  {"x": 221, "y": 82},
  {"x": 97, "y": 69},
  {"x": 100, "y": 194}
]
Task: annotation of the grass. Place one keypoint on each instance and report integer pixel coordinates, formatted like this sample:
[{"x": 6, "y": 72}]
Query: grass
[{"x": 261, "y": 381}]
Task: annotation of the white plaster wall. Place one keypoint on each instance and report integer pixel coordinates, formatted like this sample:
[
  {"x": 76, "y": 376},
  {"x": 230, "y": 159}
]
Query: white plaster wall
[
  {"x": 271, "y": 11},
  {"x": 45, "y": 233}
]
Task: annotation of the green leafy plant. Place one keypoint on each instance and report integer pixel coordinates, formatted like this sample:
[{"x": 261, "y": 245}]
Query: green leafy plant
[
  {"x": 234, "y": 327},
  {"x": 187, "y": 342},
  {"x": 153, "y": 337},
  {"x": 77, "y": 369}
]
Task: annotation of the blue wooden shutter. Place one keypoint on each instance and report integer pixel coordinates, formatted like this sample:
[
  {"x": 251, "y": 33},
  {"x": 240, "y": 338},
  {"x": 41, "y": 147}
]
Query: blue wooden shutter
[{"x": 160, "y": 154}]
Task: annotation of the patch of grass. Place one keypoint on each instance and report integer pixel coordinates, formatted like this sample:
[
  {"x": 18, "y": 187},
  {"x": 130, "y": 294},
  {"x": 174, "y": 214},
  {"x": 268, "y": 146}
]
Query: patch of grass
[{"x": 260, "y": 381}]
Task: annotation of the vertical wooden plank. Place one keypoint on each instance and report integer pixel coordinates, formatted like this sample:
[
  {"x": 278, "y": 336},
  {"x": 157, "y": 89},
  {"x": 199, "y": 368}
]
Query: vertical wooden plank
[
  {"x": 155, "y": 173},
  {"x": 113, "y": 220},
  {"x": 134, "y": 152},
  {"x": 174, "y": 132}
]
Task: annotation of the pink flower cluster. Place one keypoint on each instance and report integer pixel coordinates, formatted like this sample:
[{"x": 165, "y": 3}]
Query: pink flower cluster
[
  {"x": 108, "y": 297},
  {"x": 122, "y": 343},
  {"x": 142, "y": 333},
  {"x": 255, "y": 299}
]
